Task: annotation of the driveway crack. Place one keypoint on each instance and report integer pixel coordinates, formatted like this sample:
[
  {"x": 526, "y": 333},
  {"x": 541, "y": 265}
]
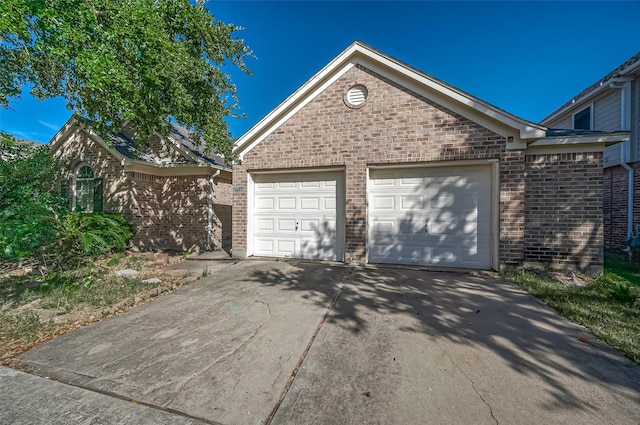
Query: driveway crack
[
  {"x": 221, "y": 358},
  {"x": 473, "y": 384}
]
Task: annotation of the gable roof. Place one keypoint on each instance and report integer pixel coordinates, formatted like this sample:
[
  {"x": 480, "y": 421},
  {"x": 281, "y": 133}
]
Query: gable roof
[
  {"x": 617, "y": 75},
  {"x": 124, "y": 148},
  {"x": 359, "y": 53},
  {"x": 24, "y": 146}
]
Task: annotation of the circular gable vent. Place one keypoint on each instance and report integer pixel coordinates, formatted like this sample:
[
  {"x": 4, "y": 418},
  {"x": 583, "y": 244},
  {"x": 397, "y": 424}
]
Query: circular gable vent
[{"x": 356, "y": 96}]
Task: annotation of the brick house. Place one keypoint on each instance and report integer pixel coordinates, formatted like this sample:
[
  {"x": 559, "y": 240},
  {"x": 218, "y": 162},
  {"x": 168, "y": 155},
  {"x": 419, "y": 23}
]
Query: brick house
[
  {"x": 176, "y": 196},
  {"x": 613, "y": 104},
  {"x": 374, "y": 161}
]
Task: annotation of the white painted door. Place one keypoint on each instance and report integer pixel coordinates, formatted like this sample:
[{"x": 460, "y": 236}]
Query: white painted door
[
  {"x": 299, "y": 215},
  {"x": 430, "y": 216}
]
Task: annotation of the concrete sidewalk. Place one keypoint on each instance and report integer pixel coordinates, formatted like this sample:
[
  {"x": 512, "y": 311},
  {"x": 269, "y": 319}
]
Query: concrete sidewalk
[
  {"x": 250, "y": 345},
  {"x": 32, "y": 400}
]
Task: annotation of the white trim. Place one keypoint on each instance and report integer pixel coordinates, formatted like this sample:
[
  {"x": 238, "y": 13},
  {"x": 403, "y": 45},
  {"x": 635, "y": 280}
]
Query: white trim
[
  {"x": 357, "y": 53},
  {"x": 167, "y": 171},
  {"x": 581, "y": 140},
  {"x": 250, "y": 207},
  {"x": 579, "y": 101},
  {"x": 625, "y": 107},
  {"x": 591, "y": 116},
  {"x": 494, "y": 237},
  {"x": 435, "y": 164},
  {"x": 74, "y": 183},
  {"x": 495, "y": 215},
  {"x": 340, "y": 235},
  {"x": 288, "y": 109},
  {"x": 297, "y": 170},
  {"x": 558, "y": 149}
]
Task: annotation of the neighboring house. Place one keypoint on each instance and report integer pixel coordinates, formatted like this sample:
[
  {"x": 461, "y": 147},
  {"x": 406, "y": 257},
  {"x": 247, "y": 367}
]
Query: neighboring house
[
  {"x": 374, "y": 161},
  {"x": 19, "y": 143},
  {"x": 612, "y": 103},
  {"x": 176, "y": 196}
]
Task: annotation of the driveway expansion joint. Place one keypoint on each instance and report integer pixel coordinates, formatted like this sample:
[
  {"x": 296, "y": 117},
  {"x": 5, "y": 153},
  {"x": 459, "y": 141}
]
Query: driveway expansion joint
[{"x": 294, "y": 373}]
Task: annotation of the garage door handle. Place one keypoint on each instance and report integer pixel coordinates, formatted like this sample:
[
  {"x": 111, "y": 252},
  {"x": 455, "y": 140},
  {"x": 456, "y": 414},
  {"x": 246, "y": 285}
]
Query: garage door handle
[
  {"x": 297, "y": 225},
  {"x": 426, "y": 226}
]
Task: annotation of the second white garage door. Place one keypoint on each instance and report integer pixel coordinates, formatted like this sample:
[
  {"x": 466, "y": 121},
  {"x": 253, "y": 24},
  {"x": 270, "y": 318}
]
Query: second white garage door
[
  {"x": 430, "y": 216},
  {"x": 296, "y": 215}
]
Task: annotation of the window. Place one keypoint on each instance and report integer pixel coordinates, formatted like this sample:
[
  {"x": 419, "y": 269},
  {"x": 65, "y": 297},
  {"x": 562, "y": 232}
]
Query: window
[
  {"x": 87, "y": 196},
  {"x": 582, "y": 120}
]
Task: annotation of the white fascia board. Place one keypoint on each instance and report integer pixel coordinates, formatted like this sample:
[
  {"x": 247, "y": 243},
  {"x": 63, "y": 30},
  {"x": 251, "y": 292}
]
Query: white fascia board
[
  {"x": 581, "y": 140},
  {"x": 167, "y": 171},
  {"x": 559, "y": 149},
  {"x": 483, "y": 113},
  {"x": 60, "y": 136},
  {"x": 593, "y": 93},
  {"x": 295, "y": 102},
  {"x": 414, "y": 80}
]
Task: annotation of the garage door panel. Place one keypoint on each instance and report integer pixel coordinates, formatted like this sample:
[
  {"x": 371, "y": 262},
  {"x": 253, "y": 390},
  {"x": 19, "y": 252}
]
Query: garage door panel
[
  {"x": 265, "y": 204},
  {"x": 431, "y": 216},
  {"x": 304, "y": 215}
]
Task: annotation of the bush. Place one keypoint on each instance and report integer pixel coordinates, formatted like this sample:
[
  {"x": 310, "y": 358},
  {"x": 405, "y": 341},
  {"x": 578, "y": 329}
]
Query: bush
[{"x": 91, "y": 234}]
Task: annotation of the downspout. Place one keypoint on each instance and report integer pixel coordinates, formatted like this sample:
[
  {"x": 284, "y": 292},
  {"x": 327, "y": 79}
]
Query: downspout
[
  {"x": 631, "y": 175},
  {"x": 625, "y": 151},
  {"x": 210, "y": 215}
]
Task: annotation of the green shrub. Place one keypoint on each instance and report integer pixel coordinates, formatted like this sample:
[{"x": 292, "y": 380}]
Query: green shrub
[{"x": 91, "y": 234}]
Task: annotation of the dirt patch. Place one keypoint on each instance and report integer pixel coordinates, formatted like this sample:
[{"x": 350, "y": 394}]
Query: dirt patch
[{"x": 38, "y": 304}]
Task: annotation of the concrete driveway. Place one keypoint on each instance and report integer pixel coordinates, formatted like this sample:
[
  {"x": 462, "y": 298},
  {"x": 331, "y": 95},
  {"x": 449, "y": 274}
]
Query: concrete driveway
[{"x": 321, "y": 343}]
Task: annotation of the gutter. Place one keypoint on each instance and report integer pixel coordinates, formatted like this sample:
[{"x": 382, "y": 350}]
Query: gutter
[{"x": 210, "y": 211}]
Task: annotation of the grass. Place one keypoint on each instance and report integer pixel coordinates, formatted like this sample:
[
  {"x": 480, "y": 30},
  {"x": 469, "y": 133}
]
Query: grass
[
  {"x": 607, "y": 305},
  {"x": 34, "y": 308}
]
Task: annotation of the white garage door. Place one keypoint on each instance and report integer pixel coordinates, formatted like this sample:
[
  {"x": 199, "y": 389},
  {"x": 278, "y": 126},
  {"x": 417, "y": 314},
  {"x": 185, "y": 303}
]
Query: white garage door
[
  {"x": 296, "y": 215},
  {"x": 430, "y": 216}
]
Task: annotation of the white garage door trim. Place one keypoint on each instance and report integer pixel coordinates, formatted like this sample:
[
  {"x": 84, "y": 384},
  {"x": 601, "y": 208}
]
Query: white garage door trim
[
  {"x": 381, "y": 249},
  {"x": 286, "y": 211}
]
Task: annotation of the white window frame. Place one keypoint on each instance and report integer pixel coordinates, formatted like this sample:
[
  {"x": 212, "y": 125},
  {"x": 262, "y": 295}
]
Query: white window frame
[
  {"x": 74, "y": 187},
  {"x": 573, "y": 116}
]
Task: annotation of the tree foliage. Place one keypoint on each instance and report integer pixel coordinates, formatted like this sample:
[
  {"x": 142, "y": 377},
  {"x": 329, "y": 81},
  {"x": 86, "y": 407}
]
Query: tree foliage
[
  {"x": 142, "y": 61},
  {"x": 30, "y": 199}
]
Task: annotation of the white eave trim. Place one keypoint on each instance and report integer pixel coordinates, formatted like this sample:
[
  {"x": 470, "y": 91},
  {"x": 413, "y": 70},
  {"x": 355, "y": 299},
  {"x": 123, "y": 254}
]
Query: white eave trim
[
  {"x": 421, "y": 83},
  {"x": 604, "y": 85},
  {"x": 581, "y": 140}
]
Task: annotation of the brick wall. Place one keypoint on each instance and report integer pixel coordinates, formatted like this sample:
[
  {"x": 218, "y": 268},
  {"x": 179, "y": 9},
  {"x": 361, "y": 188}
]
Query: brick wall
[
  {"x": 80, "y": 149},
  {"x": 222, "y": 207},
  {"x": 168, "y": 212},
  {"x": 394, "y": 126},
  {"x": 563, "y": 209},
  {"x": 615, "y": 198},
  {"x": 171, "y": 212}
]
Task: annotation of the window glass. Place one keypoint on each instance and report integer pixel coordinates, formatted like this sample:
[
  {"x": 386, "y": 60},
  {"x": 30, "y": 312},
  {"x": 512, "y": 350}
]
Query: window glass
[{"x": 582, "y": 120}]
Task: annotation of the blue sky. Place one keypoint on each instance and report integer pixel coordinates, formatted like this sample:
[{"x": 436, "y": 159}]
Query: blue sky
[{"x": 525, "y": 57}]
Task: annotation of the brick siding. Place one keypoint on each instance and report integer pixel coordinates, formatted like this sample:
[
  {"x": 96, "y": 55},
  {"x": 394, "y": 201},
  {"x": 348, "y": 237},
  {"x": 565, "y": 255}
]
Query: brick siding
[
  {"x": 396, "y": 125},
  {"x": 563, "y": 209},
  {"x": 167, "y": 212},
  {"x": 615, "y": 197}
]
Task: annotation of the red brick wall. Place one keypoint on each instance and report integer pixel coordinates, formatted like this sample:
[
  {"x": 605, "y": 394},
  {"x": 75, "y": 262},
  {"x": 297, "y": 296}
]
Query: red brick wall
[
  {"x": 563, "y": 209},
  {"x": 615, "y": 199},
  {"x": 105, "y": 165},
  {"x": 223, "y": 210},
  {"x": 394, "y": 126},
  {"x": 399, "y": 126},
  {"x": 168, "y": 212}
]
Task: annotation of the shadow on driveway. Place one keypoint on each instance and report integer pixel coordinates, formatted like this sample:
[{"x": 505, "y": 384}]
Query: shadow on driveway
[{"x": 399, "y": 346}]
